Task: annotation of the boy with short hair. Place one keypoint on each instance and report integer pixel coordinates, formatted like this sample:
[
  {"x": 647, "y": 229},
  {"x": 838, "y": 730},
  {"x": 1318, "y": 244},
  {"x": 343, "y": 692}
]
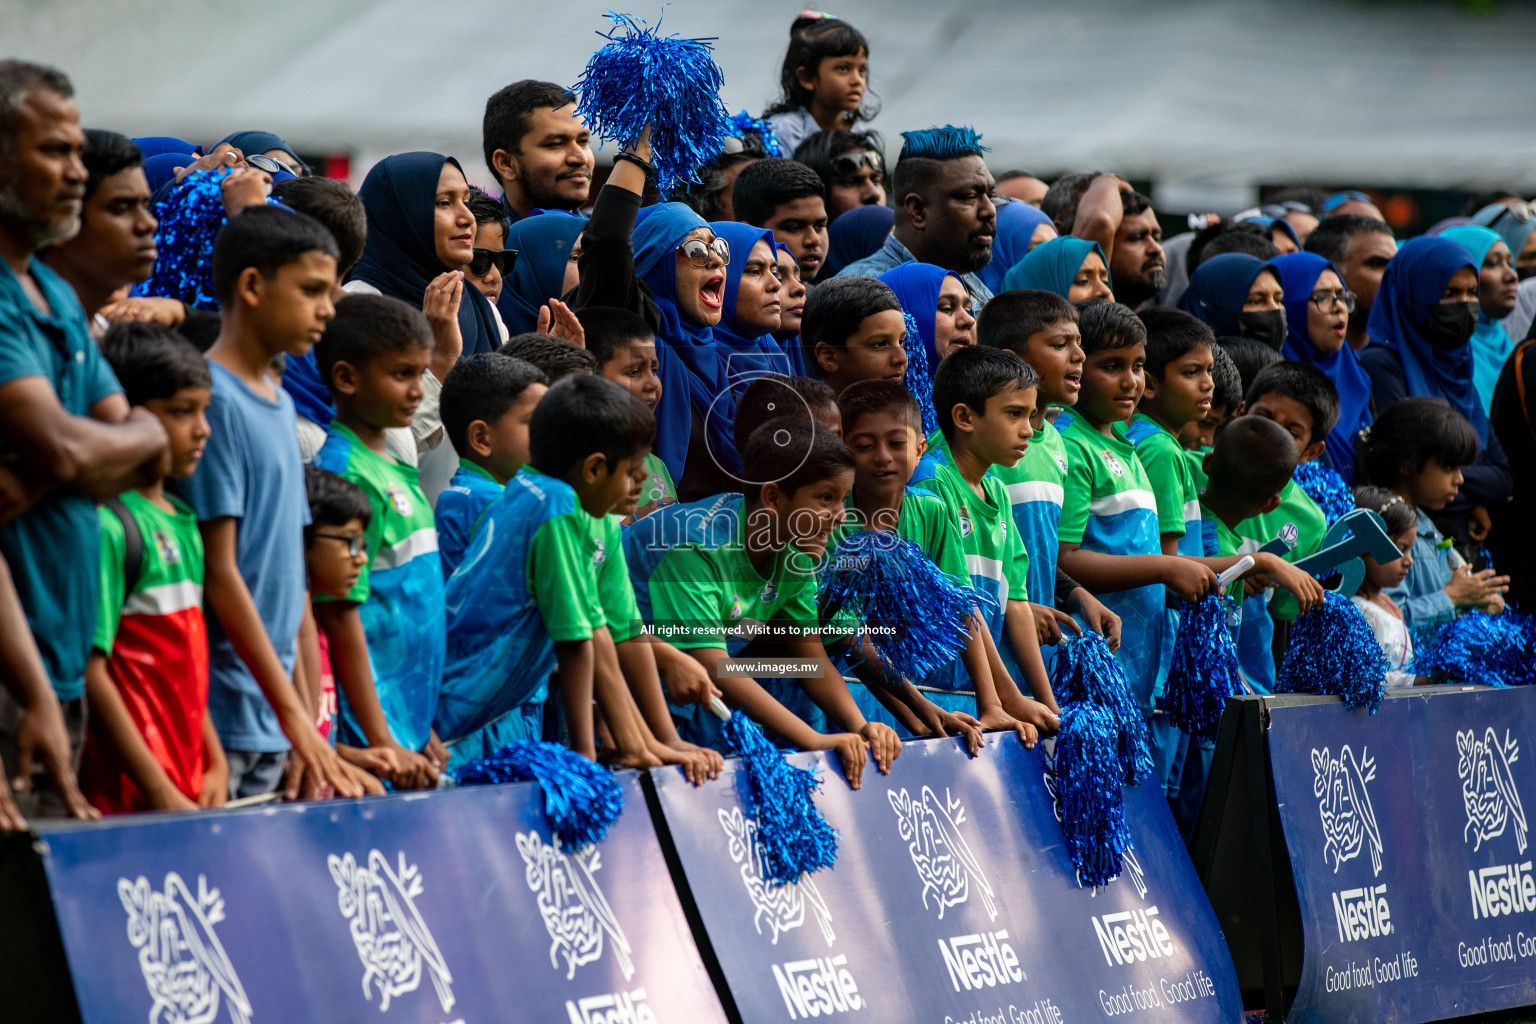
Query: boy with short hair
[
  {"x": 719, "y": 576},
  {"x": 556, "y": 357},
  {"x": 789, "y": 199},
  {"x": 153, "y": 745},
  {"x": 486, "y": 271},
  {"x": 335, "y": 552},
  {"x": 853, "y": 330},
  {"x": 273, "y": 272},
  {"x": 1109, "y": 534},
  {"x": 625, "y": 349},
  {"x": 525, "y": 599},
  {"x": 390, "y": 627},
  {"x": 774, "y": 395},
  {"x": 488, "y": 403},
  {"x": 985, "y": 399},
  {"x": 1226, "y": 396}
]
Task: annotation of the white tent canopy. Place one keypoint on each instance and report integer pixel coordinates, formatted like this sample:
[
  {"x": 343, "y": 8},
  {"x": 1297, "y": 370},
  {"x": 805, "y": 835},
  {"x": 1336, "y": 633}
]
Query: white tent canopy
[{"x": 1205, "y": 97}]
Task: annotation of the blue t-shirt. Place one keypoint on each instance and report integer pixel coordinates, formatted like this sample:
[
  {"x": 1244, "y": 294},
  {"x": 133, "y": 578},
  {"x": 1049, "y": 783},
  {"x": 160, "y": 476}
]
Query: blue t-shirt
[
  {"x": 527, "y": 582},
  {"x": 459, "y": 508},
  {"x": 252, "y": 472},
  {"x": 399, "y": 593},
  {"x": 53, "y": 548}
]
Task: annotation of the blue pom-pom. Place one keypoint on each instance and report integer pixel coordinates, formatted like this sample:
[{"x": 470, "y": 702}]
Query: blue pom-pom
[
  {"x": 916, "y": 615},
  {"x": 1333, "y": 651},
  {"x": 795, "y": 838},
  {"x": 1087, "y": 671},
  {"x": 1326, "y": 488},
  {"x": 191, "y": 217},
  {"x": 1090, "y": 800},
  {"x": 581, "y": 798},
  {"x": 1204, "y": 672},
  {"x": 668, "y": 83},
  {"x": 744, "y": 124},
  {"x": 948, "y": 142},
  {"x": 1477, "y": 648},
  {"x": 919, "y": 378}
]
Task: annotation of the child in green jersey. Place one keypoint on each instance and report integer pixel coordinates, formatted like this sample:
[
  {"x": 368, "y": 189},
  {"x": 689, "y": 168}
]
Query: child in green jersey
[
  {"x": 152, "y": 744},
  {"x": 387, "y": 638},
  {"x": 625, "y": 349},
  {"x": 985, "y": 399},
  {"x": 1226, "y": 396}
]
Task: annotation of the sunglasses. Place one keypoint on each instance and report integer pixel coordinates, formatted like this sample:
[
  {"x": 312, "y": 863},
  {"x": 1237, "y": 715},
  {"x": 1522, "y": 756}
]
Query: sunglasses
[
  {"x": 699, "y": 251},
  {"x": 356, "y": 543},
  {"x": 850, "y": 164},
  {"x": 1338, "y": 199},
  {"x": 483, "y": 260},
  {"x": 271, "y": 166}
]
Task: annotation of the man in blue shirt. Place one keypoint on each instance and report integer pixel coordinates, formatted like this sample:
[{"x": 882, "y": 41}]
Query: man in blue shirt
[
  {"x": 64, "y": 424},
  {"x": 944, "y": 211}
]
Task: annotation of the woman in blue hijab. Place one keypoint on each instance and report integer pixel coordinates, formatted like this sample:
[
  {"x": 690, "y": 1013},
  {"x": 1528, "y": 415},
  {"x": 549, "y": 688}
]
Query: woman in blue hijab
[
  {"x": 154, "y": 145},
  {"x": 1420, "y": 328},
  {"x": 268, "y": 145},
  {"x": 749, "y": 316},
  {"x": 1019, "y": 227},
  {"x": 543, "y": 245},
  {"x": 1074, "y": 268},
  {"x": 1316, "y": 336},
  {"x": 409, "y": 245},
  {"x": 1517, "y": 234},
  {"x": 1239, "y": 297},
  {"x": 858, "y": 233},
  {"x": 939, "y": 304},
  {"x": 1496, "y": 294},
  {"x": 792, "y": 292}
]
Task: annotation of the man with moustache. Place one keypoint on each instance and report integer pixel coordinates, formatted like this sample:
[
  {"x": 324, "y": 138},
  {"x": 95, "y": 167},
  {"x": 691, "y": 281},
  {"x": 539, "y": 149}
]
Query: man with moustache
[
  {"x": 67, "y": 439},
  {"x": 1137, "y": 265},
  {"x": 538, "y": 148},
  {"x": 115, "y": 246},
  {"x": 1361, "y": 247},
  {"x": 944, "y": 212}
]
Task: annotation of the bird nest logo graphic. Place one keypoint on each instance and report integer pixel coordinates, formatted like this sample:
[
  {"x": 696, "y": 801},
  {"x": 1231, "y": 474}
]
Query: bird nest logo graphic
[
  {"x": 943, "y": 859},
  {"x": 392, "y": 940},
  {"x": 1488, "y": 787},
  {"x": 575, "y": 911},
  {"x": 1344, "y": 804},
  {"x": 780, "y": 907},
  {"x": 1130, "y": 867},
  {"x": 185, "y": 968}
]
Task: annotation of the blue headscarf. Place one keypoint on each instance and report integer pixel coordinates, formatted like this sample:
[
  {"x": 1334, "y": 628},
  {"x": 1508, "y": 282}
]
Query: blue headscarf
[
  {"x": 917, "y": 289},
  {"x": 1515, "y": 232},
  {"x": 790, "y": 344},
  {"x": 1219, "y": 287},
  {"x": 1016, "y": 226},
  {"x": 746, "y": 356},
  {"x": 1414, "y": 281},
  {"x": 154, "y": 145},
  {"x": 252, "y": 143},
  {"x": 160, "y": 169},
  {"x": 543, "y": 245},
  {"x": 855, "y": 234},
  {"x": 691, "y": 369},
  {"x": 1490, "y": 342},
  {"x": 400, "y": 255},
  {"x": 1299, "y": 272},
  {"x": 311, "y": 398},
  {"x": 1051, "y": 266}
]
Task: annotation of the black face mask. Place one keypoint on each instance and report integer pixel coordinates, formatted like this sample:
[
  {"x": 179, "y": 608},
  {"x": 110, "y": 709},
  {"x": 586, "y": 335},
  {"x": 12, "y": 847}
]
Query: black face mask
[
  {"x": 1526, "y": 273},
  {"x": 1450, "y": 324},
  {"x": 1267, "y": 326}
]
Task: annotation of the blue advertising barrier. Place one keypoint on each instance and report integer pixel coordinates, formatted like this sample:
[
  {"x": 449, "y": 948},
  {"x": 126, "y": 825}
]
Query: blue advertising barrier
[
  {"x": 442, "y": 907},
  {"x": 952, "y": 900},
  {"x": 1410, "y": 845}
]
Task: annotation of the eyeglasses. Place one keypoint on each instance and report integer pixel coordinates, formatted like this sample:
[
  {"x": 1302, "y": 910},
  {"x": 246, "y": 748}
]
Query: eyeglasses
[
  {"x": 1279, "y": 210},
  {"x": 356, "y": 543},
  {"x": 1327, "y": 301},
  {"x": 699, "y": 251},
  {"x": 266, "y": 163},
  {"x": 483, "y": 259},
  {"x": 849, "y": 164},
  {"x": 1338, "y": 199}
]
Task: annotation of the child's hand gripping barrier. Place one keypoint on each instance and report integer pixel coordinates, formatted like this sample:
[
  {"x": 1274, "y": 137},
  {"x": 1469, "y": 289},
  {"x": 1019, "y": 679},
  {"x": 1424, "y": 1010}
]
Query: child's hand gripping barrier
[{"x": 1360, "y": 533}]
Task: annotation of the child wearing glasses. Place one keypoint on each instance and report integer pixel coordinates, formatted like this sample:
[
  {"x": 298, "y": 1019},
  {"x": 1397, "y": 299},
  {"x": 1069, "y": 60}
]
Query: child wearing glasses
[
  {"x": 488, "y": 267},
  {"x": 387, "y": 636},
  {"x": 152, "y": 745}
]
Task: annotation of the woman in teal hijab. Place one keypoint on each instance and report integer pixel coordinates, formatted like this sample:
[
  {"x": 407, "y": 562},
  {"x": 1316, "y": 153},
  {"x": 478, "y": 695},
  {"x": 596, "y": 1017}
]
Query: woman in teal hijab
[
  {"x": 1074, "y": 268},
  {"x": 1496, "y": 293}
]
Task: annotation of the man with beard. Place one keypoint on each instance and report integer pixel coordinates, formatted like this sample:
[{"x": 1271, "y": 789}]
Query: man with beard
[
  {"x": 67, "y": 436},
  {"x": 1360, "y": 247},
  {"x": 538, "y": 148},
  {"x": 1103, "y": 208},
  {"x": 115, "y": 245},
  {"x": 944, "y": 211}
]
